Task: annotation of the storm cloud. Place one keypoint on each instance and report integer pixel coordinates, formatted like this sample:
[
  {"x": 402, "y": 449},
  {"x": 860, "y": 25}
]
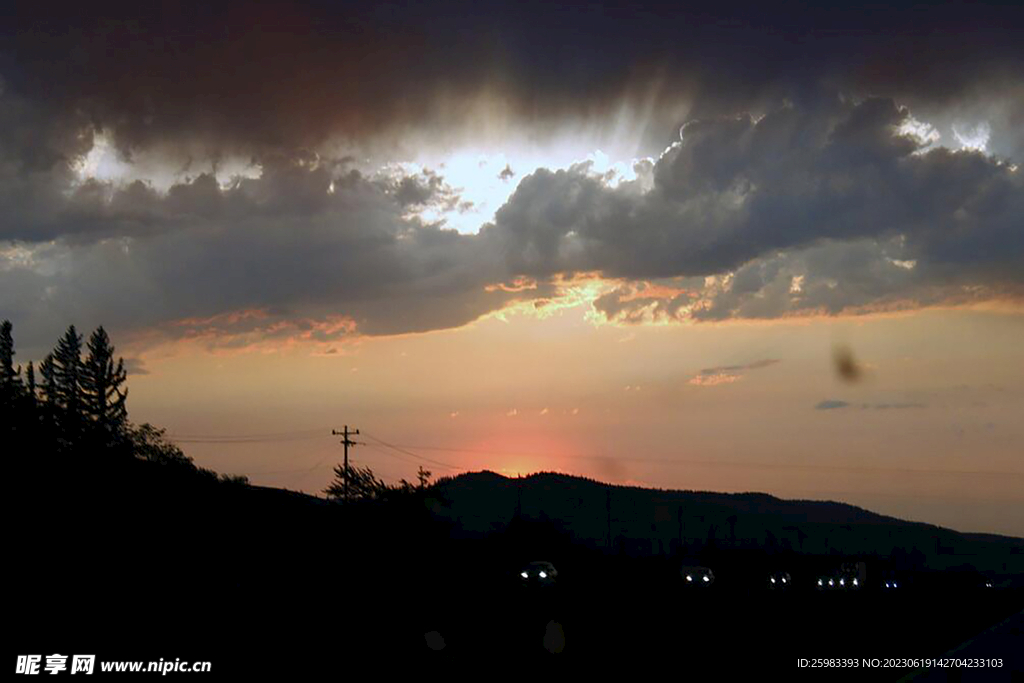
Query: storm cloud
[
  {"x": 777, "y": 172},
  {"x": 298, "y": 251},
  {"x": 265, "y": 75},
  {"x": 819, "y": 209}
]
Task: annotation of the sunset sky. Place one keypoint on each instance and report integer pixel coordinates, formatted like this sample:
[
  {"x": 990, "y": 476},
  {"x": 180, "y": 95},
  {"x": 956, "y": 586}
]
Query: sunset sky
[{"x": 627, "y": 241}]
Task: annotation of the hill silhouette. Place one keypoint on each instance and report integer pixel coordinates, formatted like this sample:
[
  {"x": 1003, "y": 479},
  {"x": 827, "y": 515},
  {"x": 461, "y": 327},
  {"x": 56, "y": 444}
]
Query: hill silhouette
[
  {"x": 651, "y": 522},
  {"x": 172, "y": 563}
]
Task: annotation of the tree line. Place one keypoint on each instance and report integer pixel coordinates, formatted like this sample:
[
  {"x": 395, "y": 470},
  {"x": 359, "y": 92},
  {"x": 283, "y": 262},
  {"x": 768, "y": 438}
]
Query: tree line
[
  {"x": 75, "y": 401},
  {"x": 363, "y": 485}
]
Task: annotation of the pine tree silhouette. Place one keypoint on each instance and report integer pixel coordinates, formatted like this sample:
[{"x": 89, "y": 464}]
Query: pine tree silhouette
[
  {"x": 102, "y": 393},
  {"x": 423, "y": 477},
  {"x": 12, "y": 393},
  {"x": 363, "y": 484},
  {"x": 78, "y": 407},
  {"x": 47, "y": 387},
  {"x": 10, "y": 377},
  {"x": 66, "y": 386},
  {"x": 30, "y": 383}
]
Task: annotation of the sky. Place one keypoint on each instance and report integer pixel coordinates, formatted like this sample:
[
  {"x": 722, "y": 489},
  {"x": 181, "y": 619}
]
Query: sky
[{"x": 776, "y": 247}]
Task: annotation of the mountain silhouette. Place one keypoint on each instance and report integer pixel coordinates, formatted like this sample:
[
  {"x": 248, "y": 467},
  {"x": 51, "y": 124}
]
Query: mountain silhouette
[
  {"x": 161, "y": 562},
  {"x": 655, "y": 522}
]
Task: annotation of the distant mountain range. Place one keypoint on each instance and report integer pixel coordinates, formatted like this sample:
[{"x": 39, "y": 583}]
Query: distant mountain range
[{"x": 643, "y": 521}]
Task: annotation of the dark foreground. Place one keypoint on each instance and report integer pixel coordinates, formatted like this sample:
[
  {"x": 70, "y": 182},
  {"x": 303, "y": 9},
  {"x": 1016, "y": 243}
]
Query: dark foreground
[{"x": 129, "y": 567}]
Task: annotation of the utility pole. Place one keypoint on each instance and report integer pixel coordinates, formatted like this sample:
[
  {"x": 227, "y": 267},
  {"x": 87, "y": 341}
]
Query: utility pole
[{"x": 346, "y": 442}]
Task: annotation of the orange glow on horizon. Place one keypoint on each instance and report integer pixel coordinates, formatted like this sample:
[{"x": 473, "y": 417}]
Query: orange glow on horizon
[{"x": 513, "y": 452}]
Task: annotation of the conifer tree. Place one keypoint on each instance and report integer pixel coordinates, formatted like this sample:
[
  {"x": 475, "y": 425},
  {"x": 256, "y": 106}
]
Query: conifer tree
[
  {"x": 11, "y": 390},
  {"x": 67, "y": 384},
  {"x": 32, "y": 413},
  {"x": 362, "y": 484},
  {"x": 10, "y": 377},
  {"x": 45, "y": 402},
  {"x": 102, "y": 381},
  {"x": 30, "y": 383},
  {"x": 47, "y": 388}
]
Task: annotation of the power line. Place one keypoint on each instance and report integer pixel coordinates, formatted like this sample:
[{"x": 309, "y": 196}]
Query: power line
[
  {"x": 248, "y": 438},
  {"x": 392, "y": 455},
  {"x": 292, "y": 471},
  {"x": 401, "y": 449},
  {"x": 253, "y": 436},
  {"x": 385, "y": 469},
  {"x": 406, "y": 449}
]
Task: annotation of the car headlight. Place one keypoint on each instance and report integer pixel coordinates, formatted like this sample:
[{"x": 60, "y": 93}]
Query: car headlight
[
  {"x": 689, "y": 578},
  {"x": 525, "y": 575},
  {"x": 706, "y": 579},
  {"x": 543, "y": 575}
]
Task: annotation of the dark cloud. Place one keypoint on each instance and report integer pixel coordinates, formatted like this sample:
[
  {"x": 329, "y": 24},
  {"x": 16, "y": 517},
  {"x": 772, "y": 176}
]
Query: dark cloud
[
  {"x": 824, "y": 209},
  {"x": 267, "y": 75},
  {"x": 791, "y": 191},
  {"x": 831, "y": 404},
  {"x": 736, "y": 189},
  {"x": 424, "y": 189},
  {"x": 307, "y": 252}
]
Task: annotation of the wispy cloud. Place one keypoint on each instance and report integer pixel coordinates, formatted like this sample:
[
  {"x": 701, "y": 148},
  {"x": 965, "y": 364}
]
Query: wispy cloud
[
  {"x": 831, "y": 404},
  {"x": 834, "y": 404},
  {"x": 727, "y": 374},
  {"x": 892, "y": 406}
]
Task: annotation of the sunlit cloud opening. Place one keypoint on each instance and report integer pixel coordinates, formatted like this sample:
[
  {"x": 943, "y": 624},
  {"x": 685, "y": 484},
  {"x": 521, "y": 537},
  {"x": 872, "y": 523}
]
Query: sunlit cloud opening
[
  {"x": 102, "y": 162},
  {"x": 906, "y": 265},
  {"x": 924, "y": 134},
  {"x": 485, "y": 180},
  {"x": 158, "y": 168},
  {"x": 974, "y": 138}
]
